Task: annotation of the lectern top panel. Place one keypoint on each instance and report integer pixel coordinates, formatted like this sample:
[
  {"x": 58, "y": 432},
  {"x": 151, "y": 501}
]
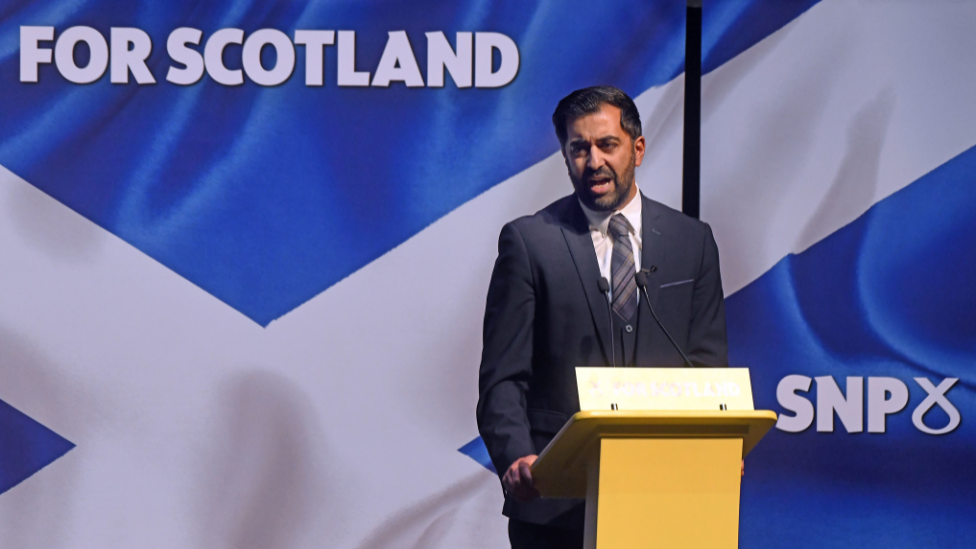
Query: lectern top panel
[
  {"x": 664, "y": 388},
  {"x": 566, "y": 456}
]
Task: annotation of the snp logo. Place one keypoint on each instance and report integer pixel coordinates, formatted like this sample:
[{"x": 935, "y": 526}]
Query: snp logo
[{"x": 886, "y": 395}]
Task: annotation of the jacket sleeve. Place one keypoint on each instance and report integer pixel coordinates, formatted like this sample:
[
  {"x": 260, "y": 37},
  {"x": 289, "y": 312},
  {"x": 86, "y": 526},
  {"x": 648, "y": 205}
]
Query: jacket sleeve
[
  {"x": 506, "y": 359},
  {"x": 708, "y": 345}
]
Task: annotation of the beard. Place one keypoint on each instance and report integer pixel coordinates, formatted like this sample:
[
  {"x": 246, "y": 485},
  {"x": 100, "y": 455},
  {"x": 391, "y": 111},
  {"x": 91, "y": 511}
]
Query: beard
[{"x": 620, "y": 189}]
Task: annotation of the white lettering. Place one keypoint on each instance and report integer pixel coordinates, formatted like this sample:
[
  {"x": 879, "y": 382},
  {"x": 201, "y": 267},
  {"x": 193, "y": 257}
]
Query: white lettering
[
  {"x": 886, "y": 396},
  {"x": 130, "y": 49},
  {"x": 788, "y": 399},
  {"x": 213, "y": 56},
  {"x": 485, "y": 43},
  {"x": 314, "y": 42},
  {"x": 850, "y": 410},
  {"x": 251, "y": 57},
  {"x": 398, "y": 63},
  {"x": 722, "y": 389},
  {"x": 347, "y": 61},
  {"x": 471, "y": 63},
  {"x": 31, "y": 55},
  {"x": 441, "y": 56},
  {"x": 189, "y": 58},
  {"x": 879, "y": 405},
  {"x": 64, "y": 55}
]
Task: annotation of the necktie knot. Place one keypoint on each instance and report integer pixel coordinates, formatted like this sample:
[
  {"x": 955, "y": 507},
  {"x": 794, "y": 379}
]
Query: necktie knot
[{"x": 618, "y": 227}]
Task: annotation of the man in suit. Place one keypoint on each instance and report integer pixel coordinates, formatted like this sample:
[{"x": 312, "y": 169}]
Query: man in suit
[{"x": 547, "y": 312}]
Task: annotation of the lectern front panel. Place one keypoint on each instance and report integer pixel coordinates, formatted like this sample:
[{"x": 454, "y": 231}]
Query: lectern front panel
[{"x": 665, "y": 493}]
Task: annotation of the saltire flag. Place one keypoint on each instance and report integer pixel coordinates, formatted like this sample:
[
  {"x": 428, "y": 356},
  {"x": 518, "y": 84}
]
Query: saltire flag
[
  {"x": 255, "y": 312},
  {"x": 839, "y": 175},
  {"x": 246, "y": 316}
]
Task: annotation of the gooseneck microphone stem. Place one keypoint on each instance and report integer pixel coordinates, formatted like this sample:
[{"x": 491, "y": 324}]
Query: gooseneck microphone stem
[
  {"x": 605, "y": 288},
  {"x": 641, "y": 278}
]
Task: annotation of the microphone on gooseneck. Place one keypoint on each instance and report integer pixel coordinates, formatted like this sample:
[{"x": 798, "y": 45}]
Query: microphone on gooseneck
[
  {"x": 641, "y": 278},
  {"x": 605, "y": 288}
]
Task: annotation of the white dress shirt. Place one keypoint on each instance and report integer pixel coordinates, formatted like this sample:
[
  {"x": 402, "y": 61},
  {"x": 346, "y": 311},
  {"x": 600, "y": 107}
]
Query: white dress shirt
[{"x": 602, "y": 241}]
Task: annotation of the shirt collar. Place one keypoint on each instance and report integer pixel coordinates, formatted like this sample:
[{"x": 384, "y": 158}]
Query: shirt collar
[{"x": 600, "y": 221}]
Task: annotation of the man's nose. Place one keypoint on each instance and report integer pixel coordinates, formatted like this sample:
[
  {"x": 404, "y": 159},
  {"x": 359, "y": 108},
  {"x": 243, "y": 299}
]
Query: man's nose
[{"x": 595, "y": 159}]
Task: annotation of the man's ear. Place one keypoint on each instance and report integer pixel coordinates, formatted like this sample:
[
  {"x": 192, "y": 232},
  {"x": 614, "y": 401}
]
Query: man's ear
[{"x": 639, "y": 146}]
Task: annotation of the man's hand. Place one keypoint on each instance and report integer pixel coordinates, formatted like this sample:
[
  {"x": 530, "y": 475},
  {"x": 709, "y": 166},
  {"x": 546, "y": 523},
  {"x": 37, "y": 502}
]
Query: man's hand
[
  {"x": 743, "y": 473},
  {"x": 518, "y": 479}
]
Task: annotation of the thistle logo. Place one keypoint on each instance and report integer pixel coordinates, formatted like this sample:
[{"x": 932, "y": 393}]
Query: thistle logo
[{"x": 886, "y": 396}]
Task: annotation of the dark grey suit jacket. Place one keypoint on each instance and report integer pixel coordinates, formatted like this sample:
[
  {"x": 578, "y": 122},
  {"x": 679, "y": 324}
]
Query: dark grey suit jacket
[{"x": 545, "y": 316}]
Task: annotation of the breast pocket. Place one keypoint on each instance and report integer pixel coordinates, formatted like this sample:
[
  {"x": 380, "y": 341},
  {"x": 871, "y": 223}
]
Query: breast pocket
[
  {"x": 674, "y": 305},
  {"x": 678, "y": 283}
]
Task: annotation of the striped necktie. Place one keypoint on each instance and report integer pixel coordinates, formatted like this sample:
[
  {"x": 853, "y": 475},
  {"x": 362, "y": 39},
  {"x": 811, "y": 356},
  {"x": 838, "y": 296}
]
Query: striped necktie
[{"x": 622, "y": 268}]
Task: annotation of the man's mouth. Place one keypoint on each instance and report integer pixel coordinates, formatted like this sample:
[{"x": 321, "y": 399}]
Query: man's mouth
[{"x": 601, "y": 185}]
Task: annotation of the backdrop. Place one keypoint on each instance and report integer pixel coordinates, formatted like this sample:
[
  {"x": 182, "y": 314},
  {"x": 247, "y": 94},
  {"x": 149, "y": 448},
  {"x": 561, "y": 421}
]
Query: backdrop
[
  {"x": 839, "y": 176},
  {"x": 245, "y": 246}
]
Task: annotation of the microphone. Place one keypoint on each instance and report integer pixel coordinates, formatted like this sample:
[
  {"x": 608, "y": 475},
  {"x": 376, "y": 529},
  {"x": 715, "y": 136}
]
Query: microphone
[
  {"x": 641, "y": 278},
  {"x": 605, "y": 288}
]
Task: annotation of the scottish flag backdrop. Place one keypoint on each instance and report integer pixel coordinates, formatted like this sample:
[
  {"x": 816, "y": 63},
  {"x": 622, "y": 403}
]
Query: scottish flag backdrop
[
  {"x": 248, "y": 315},
  {"x": 237, "y": 315},
  {"x": 839, "y": 175}
]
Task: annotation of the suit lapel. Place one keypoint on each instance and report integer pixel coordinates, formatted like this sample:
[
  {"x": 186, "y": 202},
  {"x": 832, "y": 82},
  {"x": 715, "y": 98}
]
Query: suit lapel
[
  {"x": 576, "y": 230},
  {"x": 653, "y": 255},
  {"x": 652, "y": 247}
]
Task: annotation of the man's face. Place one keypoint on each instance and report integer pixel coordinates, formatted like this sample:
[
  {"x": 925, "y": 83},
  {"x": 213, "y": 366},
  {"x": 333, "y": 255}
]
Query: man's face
[{"x": 601, "y": 158}]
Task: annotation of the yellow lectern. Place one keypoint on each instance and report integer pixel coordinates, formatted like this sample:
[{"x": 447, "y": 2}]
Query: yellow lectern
[{"x": 653, "y": 478}]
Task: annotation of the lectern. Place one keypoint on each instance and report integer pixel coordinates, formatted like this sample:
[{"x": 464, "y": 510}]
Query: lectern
[{"x": 653, "y": 478}]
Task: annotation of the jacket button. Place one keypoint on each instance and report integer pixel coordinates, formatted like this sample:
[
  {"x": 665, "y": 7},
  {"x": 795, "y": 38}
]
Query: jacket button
[{"x": 629, "y": 328}]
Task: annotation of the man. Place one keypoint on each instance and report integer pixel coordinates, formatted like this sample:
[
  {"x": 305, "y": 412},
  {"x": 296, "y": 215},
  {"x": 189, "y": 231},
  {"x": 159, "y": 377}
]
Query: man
[{"x": 547, "y": 312}]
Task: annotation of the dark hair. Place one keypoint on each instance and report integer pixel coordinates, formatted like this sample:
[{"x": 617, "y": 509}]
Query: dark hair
[{"x": 588, "y": 101}]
